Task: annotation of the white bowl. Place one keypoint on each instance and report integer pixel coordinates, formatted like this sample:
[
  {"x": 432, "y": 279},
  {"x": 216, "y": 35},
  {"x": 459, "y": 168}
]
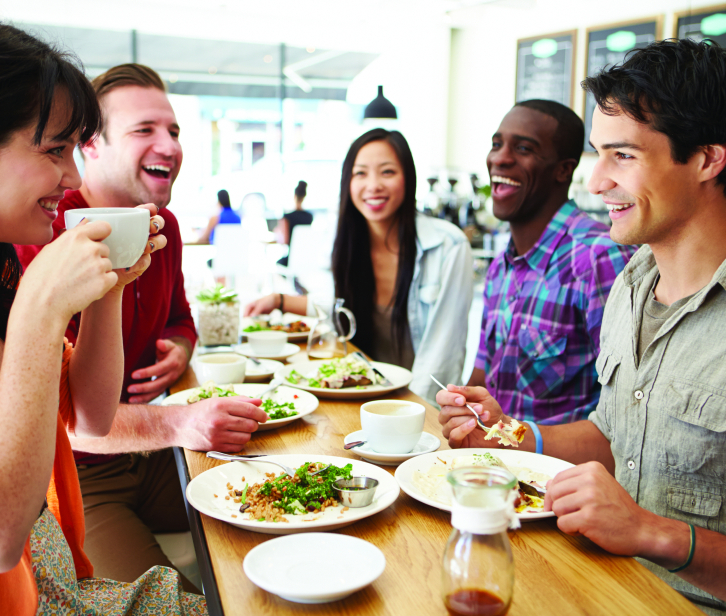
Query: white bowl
[
  {"x": 392, "y": 426},
  {"x": 311, "y": 567},
  {"x": 222, "y": 368},
  {"x": 129, "y": 231},
  {"x": 267, "y": 342}
]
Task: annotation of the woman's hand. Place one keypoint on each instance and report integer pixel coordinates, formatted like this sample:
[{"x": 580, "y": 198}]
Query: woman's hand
[
  {"x": 264, "y": 305},
  {"x": 70, "y": 273},
  {"x": 156, "y": 242}
]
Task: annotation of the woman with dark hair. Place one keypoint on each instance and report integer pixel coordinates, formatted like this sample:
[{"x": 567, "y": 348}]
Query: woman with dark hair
[
  {"x": 283, "y": 230},
  {"x": 407, "y": 278},
  {"x": 226, "y": 216},
  {"x": 46, "y": 386}
]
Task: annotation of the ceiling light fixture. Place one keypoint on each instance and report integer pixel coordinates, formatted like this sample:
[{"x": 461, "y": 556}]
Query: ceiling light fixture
[{"x": 380, "y": 107}]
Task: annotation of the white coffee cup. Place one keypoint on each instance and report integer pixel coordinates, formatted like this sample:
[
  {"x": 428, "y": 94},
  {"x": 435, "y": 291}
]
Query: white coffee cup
[
  {"x": 222, "y": 368},
  {"x": 392, "y": 426},
  {"x": 267, "y": 342},
  {"x": 129, "y": 231}
]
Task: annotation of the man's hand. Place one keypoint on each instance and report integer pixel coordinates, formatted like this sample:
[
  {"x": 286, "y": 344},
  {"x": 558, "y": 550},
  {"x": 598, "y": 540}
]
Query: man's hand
[
  {"x": 587, "y": 500},
  {"x": 459, "y": 425},
  {"x": 220, "y": 424},
  {"x": 171, "y": 361}
]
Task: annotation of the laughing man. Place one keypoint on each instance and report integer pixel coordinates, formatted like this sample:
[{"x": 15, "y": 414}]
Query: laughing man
[{"x": 544, "y": 296}]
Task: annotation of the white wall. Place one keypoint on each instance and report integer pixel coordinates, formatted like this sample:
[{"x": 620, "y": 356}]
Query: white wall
[{"x": 483, "y": 61}]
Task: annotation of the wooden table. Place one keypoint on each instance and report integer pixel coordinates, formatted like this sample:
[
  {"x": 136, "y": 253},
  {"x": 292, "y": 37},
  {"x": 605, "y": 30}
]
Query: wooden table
[{"x": 555, "y": 573}]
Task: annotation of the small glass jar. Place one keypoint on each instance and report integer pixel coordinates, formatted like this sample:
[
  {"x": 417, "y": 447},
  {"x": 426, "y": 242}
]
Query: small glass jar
[
  {"x": 218, "y": 323},
  {"x": 478, "y": 568}
]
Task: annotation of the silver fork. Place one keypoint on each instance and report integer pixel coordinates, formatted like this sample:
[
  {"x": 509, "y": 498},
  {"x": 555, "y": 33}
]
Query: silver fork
[
  {"x": 230, "y": 458},
  {"x": 479, "y": 422}
]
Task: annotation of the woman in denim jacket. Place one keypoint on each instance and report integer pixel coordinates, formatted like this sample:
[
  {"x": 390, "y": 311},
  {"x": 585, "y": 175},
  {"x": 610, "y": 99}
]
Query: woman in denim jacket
[{"x": 407, "y": 278}]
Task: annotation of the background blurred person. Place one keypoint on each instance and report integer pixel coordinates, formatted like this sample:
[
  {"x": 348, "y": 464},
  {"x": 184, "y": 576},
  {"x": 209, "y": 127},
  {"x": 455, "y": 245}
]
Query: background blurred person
[
  {"x": 48, "y": 106},
  {"x": 130, "y": 496},
  {"x": 407, "y": 278},
  {"x": 284, "y": 228},
  {"x": 226, "y": 216}
]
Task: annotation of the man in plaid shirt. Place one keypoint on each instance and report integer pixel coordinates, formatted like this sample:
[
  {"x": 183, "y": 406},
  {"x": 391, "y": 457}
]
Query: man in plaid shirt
[{"x": 544, "y": 296}]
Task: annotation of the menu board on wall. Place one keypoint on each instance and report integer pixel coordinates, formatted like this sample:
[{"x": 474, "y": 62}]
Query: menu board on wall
[
  {"x": 704, "y": 23},
  {"x": 609, "y": 45},
  {"x": 545, "y": 67}
]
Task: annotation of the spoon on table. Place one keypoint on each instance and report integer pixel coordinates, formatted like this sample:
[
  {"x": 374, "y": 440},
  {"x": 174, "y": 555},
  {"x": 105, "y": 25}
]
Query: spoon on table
[
  {"x": 354, "y": 444},
  {"x": 479, "y": 422}
]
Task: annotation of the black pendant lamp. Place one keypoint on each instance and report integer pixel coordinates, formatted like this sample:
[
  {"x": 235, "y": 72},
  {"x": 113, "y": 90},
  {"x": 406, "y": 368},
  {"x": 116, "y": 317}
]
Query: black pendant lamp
[{"x": 380, "y": 107}]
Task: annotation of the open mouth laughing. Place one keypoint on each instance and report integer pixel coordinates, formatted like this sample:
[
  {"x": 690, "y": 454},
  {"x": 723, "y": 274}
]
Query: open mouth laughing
[
  {"x": 49, "y": 204},
  {"x": 161, "y": 172},
  {"x": 503, "y": 186}
]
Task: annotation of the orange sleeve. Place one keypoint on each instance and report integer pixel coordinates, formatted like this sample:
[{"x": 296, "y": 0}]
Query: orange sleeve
[
  {"x": 64, "y": 491},
  {"x": 18, "y": 591}
]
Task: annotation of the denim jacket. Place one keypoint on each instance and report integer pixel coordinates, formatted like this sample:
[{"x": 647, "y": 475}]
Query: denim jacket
[{"x": 438, "y": 304}]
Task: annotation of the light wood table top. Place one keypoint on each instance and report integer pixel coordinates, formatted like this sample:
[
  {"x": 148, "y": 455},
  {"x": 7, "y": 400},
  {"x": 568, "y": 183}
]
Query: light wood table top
[{"x": 555, "y": 573}]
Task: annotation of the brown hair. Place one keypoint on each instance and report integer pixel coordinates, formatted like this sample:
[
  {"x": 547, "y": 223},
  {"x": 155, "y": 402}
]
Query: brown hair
[{"x": 125, "y": 75}]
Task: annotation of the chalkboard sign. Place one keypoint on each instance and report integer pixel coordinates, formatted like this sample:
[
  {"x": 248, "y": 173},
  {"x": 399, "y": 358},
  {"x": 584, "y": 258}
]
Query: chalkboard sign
[
  {"x": 545, "y": 67},
  {"x": 709, "y": 23},
  {"x": 609, "y": 45}
]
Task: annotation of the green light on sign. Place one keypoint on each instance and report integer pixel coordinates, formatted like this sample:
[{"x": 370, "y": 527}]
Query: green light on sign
[
  {"x": 544, "y": 48},
  {"x": 714, "y": 25},
  {"x": 622, "y": 40}
]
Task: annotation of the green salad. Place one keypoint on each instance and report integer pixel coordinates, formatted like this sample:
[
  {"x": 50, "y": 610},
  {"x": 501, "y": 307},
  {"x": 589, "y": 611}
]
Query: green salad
[
  {"x": 276, "y": 410},
  {"x": 304, "y": 493}
]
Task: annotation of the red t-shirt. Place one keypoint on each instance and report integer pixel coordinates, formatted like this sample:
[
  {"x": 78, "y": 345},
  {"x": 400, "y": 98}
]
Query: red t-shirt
[{"x": 154, "y": 305}]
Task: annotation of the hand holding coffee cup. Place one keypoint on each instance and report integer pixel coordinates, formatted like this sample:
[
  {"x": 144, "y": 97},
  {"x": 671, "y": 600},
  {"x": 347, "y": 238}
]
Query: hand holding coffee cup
[
  {"x": 392, "y": 426},
  {"x": 129, "y": 242}
]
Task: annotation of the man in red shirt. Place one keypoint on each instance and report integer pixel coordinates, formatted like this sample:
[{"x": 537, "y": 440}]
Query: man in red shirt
[{"x": 128, "y": 496}]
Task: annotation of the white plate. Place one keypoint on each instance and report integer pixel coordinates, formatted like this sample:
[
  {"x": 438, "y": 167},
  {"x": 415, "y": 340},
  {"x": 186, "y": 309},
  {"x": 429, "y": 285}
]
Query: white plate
[
  {"x": 400, "y": 377},
  {"x": 426, "y": 444},
  {"x": 287, "y": 318},
  {"x": 263, "y": 372},
  {"x": 288, "y": 350},
  {"x": 305, "y": 403},
  {"x": 305, "y": 568},
  {"x": 201, "y": 490},
  {"x": 510, "y": 457}
]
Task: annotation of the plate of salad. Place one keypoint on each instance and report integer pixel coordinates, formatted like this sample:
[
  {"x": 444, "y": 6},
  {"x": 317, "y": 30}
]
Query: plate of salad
[
  {"x": 250, "y": 494},
  {"x": 283, "y": 405},
  {"x": 344, "y": 377},
  {"x": 295, "y": 326}
]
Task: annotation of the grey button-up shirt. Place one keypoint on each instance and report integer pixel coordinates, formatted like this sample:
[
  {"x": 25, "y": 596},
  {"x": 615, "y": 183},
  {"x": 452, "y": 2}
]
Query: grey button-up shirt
[{"x": 665, "y": 418}]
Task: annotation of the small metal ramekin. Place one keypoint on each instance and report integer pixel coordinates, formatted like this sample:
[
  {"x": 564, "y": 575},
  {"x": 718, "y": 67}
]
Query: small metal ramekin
[{"x": 364, "y": 489}]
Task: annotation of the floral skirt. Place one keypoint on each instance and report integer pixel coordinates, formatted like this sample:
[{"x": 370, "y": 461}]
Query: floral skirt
[{"x": 60, "y": 593}]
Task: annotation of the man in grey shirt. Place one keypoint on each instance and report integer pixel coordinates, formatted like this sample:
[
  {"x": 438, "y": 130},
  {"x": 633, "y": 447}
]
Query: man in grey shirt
[{"x": 650, "y": 479}]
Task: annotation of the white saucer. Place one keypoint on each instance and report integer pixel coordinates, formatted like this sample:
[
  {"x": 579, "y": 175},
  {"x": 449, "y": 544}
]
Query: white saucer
[
  {"x": 288, "y": 350},
  {"x": 306, "y": 567},
  {"x": 263, "y": 372},
  {"x": 426, "y": 444}
]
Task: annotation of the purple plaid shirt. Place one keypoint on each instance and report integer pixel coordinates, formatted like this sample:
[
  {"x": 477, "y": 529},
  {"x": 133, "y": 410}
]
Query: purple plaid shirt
[{"x": 542, "y": 313}]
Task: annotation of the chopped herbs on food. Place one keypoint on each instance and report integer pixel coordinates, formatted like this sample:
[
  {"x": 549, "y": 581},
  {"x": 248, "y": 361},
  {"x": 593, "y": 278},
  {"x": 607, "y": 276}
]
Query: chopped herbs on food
[
  {"x": 294, "y": 377},
  {"x": 278, "y": 410},
  {"x": 343, "y": 372},
  {"x": 210, "y": 390}
]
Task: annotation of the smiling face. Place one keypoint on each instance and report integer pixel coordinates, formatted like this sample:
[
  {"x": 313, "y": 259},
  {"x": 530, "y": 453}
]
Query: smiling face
[
  {"x": 651, "y": 197},
  {"x": 377, "y": 185},
  {"x": 522, "y": 164},
  {"x": 34, "y": 178},
  {"x": 139, "y": 155}
]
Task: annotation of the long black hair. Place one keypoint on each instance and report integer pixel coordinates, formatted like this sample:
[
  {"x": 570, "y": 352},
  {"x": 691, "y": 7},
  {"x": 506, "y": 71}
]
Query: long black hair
[
  {"x": 352, "y": 265},
  {"x": 30, "y": 72}
]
